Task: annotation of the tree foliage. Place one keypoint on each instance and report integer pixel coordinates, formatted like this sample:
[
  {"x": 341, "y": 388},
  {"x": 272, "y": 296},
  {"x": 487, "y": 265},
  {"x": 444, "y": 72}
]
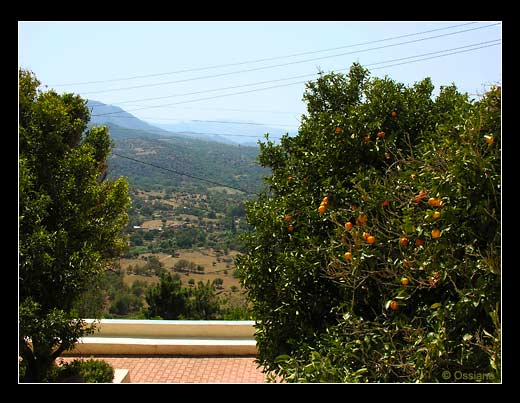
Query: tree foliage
[
  {"x": 170, "y": 300},
  {"x": 70, "y": 219},
  {"x": 408, "y": 289}
]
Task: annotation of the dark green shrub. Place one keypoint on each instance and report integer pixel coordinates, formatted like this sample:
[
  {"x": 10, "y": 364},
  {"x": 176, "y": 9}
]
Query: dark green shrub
[{"x": 83, "y": 371}]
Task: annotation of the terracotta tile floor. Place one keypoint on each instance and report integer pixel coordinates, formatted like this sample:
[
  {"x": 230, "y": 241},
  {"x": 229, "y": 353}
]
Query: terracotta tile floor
[{"x": 170, "y": 369}]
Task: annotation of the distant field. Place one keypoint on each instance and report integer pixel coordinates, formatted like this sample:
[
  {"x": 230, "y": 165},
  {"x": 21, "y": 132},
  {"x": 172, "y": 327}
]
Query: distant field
[{"x": 214, "y": 267}]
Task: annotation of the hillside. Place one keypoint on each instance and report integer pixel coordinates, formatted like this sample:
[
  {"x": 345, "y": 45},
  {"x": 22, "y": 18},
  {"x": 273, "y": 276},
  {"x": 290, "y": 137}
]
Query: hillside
[
  {"x": 233, "y": 166},
  {"x": 192, "y": 154}
]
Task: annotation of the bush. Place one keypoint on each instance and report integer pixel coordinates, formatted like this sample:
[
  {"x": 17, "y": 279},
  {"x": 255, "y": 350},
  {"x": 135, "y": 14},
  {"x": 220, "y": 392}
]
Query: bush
[
  {"x": 83, "y": 371},
  {"x": 410, "y": 288}
]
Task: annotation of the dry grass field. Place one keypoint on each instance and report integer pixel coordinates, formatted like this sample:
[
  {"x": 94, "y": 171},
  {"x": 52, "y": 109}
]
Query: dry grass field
[{"x": 215, "y": 266}]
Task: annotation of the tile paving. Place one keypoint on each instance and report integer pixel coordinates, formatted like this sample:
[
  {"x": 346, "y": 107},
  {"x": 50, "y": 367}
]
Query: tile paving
[{"x": 175, "y": 369}]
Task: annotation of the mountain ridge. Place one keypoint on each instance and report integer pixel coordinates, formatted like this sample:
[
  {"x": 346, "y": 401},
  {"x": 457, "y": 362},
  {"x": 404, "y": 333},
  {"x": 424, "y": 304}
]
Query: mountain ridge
[{"x": 124, "y": 124}]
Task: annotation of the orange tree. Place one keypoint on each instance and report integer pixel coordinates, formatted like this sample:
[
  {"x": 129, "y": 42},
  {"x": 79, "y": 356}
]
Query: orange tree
[{"x": 374, "y": 254}]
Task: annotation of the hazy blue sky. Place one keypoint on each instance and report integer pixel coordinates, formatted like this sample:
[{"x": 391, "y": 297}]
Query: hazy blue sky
[{"x": 79, "y": 51}]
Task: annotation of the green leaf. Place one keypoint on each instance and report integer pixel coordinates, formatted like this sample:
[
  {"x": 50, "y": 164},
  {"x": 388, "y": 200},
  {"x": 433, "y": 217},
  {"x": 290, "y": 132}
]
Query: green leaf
[
  {"x": 436, "y": 305},
  {"x": 282, "y": 358}
]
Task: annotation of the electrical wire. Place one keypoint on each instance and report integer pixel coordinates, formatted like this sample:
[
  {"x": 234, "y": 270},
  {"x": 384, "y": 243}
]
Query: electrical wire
[
  {"x": 293, "y": 83},
  {"x": 260, "y": 60},
  {"x": 185, "y": 174},
  {"x": 209, "y": 121},
  {"x": 185, "y": 132},
  {"x": 292, "y": 77},
  {"x": 283, "y": 64}
]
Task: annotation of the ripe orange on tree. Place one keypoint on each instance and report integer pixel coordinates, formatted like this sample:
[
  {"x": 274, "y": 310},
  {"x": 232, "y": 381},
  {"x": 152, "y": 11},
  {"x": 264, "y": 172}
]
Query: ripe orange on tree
[
  {"x": 387, "y": 156},
  {"x": 288, "y": 218},
  {"x": 394, "y": 306},
  {"x": 420, "y": 196},
  {"x": 434, "y": 279},
  {"x": 361, "y": 220},
  {"x": 290, "y": 228},
  {"x": 419, "y": 242},
  {"x": 403, "y": 241},
  {"x": 405, "y": 281},
  {"x": 385, "y": 203},
  {"x": 394, "y": 114},
  {"x": 434, "y": 202},
  {"x": 436, "y": 233},
  {"x": 348, "y": 256},
  {"x": 489, "y": 139},
  {"x": 365, "y": 236},
  {"x": 371, "y": 239},
  {"x": 436, "y": 214},
  {"x": 381, "y": 135},
  {"x": 322, "y": 209},
  {"x": 338, "y": 130},
  {"x": 348, "y": 225}
]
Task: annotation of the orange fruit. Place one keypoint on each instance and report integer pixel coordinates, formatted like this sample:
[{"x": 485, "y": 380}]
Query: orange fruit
[
  {"x": 436, "y": 214},
  {"x": 290, "y": 228},
  {"x": 413, "y": 176},
  {"x": 436, "y": 233},
  {"x": 405, "y": 281},
  {"x": 403, "y": 241},
  {"x": 394, "y": 306},
  {"x": 387, "y": 156},
  {"x": 338, "y": 130},
  {"x": 325, "y": 200},
  {"x": 322, "y": 209},
  {"x": 489, "y": 139},
  {"x": 434, "y": 279},
  {"x": 348, "y": 256},
  {"x": 419, "y": 242},
  {"x": 365, "y": 236},
  {"x": 432, "y": 201},
  {"x": 362, "y": 220},
  {"x": 381, "y": 135},
  {"x": 287, "y": 218},
  {"x": 348, "y": 225},
  {"x": 385, "y": 203},
  {"x": 394, "y": 114},
  {"x": 371, "y": 239}
]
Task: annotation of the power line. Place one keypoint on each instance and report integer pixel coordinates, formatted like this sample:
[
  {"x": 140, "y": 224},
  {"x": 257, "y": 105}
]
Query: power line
[
  {"x": 209, "y": 121},
  {"x": 229, "y": 110},
  {"x": 185, "y": 132},
  {"x": 284, "y": 64},
  {"x": 261, "y": 60},
  {"x": 185, "y": 174},
  {"x": 303, "y": 82},
  {"x": 290, "y": 78}
]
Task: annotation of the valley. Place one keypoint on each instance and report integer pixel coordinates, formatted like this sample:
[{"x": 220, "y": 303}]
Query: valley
[{"x": 186, "y": 216}]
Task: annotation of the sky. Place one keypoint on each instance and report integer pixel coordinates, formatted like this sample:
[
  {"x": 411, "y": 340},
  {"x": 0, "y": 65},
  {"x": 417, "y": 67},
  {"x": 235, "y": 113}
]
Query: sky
[{"x": 221, "y": 70}]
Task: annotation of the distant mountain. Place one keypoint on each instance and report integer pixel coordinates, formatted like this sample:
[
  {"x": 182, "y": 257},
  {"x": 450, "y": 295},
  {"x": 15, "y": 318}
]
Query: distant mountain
[
  {"x": 229, "y": 132},
  {"x": 125, "y": 125},
  {"x": 115, "y": 117},
  {"x": 186, "y": 157}
]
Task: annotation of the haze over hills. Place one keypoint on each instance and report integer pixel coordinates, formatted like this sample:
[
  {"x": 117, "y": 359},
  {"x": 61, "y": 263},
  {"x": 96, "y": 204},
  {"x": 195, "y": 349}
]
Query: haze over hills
[
  {"x": 244, "y": 133},
  {"x": 125, "y": 125}
]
